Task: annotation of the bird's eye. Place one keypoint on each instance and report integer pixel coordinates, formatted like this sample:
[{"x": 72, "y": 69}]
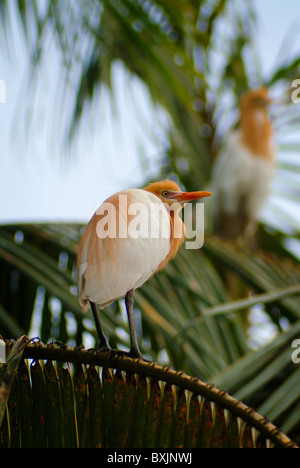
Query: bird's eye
[{"x": 165, "y": 194}]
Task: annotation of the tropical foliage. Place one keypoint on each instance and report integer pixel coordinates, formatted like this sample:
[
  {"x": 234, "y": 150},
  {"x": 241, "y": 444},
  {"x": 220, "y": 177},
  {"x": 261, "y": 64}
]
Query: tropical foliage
[
  {"x": 195, "y": 58},
  {"x": 140, "y": 405}
]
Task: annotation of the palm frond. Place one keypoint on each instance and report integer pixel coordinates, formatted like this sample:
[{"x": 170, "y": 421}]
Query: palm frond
[
  {"x": 266, "y": 379},
  {"x": 263, "y": 271},
  {"x": 127, "y": 404}
]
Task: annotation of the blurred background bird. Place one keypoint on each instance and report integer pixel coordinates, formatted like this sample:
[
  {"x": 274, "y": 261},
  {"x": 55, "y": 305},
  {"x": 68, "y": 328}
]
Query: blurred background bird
[
  {"x": 244, "y": 169},
  {"x": 114, "y": 259}
]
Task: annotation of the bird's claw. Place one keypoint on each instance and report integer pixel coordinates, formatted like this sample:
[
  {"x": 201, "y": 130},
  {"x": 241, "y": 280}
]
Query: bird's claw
[
  {"x": 137, "y": 355},
  {"x": 130, "y": 354},
  {"x": 117, "y": 353},
  {"x": 102, "y": 349}
]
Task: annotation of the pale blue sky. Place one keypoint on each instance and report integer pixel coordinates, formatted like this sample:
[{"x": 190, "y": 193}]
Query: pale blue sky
[{"x": 36, "y": 184}]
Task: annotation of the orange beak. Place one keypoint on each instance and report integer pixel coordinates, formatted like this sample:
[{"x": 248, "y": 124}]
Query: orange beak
[{"x": 185, "y": 197}]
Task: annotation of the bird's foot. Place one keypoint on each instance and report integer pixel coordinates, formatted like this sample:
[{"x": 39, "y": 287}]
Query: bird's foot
[
  {"x": 133, "y": 354},
  {"x": 118, "y": 353},
  {"x": 102, "y": 349},
  {"x": 136, "y": 354}
]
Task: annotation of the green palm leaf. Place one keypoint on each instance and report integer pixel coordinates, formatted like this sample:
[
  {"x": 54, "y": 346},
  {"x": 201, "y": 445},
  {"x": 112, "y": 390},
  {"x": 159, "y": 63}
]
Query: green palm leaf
[
  {"x": 136, "y": 405},
  {"x": 267, "y": 380}
]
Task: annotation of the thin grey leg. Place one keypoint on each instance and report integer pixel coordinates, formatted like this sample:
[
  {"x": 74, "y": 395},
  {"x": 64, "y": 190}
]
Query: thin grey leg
[
  {"x": 134, "y": 350},
  {"x": 102, "y": 338}
]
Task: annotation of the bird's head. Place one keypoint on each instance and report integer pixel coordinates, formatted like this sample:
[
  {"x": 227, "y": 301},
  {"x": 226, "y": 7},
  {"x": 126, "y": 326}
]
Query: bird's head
[
  {"x": 169, "y": 193},
  {"x": 255, "y": 99}
]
